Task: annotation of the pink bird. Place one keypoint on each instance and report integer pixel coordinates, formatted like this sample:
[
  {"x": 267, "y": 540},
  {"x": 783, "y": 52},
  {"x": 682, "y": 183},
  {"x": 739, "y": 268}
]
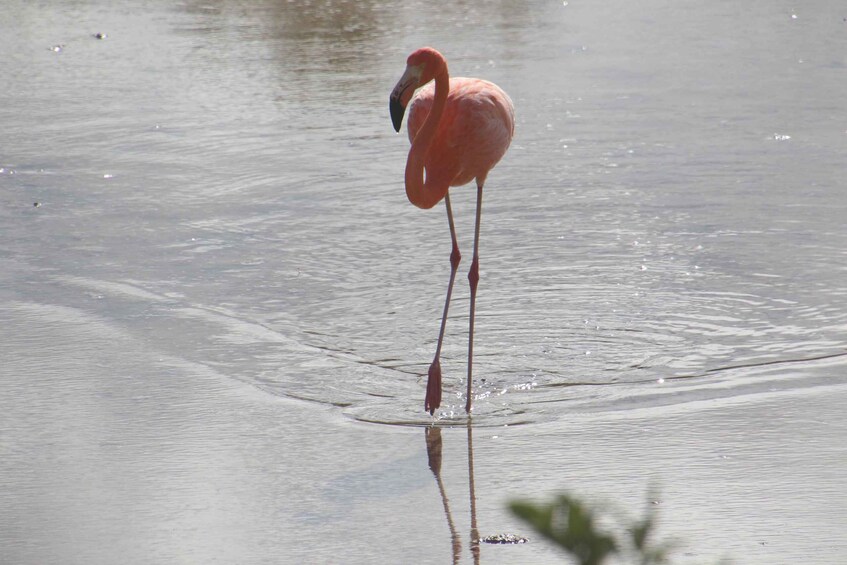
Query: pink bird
[{"x": 459, "y": 130}]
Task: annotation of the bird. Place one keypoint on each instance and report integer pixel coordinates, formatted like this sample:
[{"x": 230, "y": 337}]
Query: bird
[{"x": 459, "y": 128}]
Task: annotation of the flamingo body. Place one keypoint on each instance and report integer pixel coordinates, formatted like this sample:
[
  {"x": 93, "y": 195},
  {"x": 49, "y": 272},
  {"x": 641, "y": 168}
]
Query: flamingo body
[
  {"x": 473, "y": 134},
  {"x": 459, "y": 128}
]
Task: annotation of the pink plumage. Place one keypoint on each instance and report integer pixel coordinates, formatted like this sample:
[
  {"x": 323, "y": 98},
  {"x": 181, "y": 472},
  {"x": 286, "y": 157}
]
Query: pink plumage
[{"x": 474, "y": 132}]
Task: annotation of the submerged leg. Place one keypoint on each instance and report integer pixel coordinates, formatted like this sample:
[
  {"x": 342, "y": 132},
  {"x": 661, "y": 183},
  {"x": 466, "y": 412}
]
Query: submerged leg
[
  {"x": 433, "y": 383},
  {"x": 473, "y": 278}
]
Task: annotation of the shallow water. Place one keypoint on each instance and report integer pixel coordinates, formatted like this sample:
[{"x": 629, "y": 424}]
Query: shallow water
[{"x": 222, "y": 305}]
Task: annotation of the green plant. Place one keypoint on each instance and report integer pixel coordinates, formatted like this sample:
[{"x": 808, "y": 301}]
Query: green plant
[{"x": 573, "y": 526}]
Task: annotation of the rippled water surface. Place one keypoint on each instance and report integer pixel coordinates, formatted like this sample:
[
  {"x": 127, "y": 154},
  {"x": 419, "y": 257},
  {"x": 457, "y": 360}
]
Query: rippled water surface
[{"x": 217, "y": 308}]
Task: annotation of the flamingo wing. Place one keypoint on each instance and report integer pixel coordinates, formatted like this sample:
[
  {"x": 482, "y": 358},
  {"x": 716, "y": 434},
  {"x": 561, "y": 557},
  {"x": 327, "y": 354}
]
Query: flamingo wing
[{"x": 474, "y": 132}]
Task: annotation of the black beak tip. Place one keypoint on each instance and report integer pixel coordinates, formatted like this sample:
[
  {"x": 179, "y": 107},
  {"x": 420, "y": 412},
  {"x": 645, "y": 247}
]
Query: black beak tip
[{"x": 396, "y": 110}]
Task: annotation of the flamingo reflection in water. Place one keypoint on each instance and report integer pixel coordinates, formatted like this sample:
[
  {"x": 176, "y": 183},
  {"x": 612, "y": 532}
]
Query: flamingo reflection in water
[{"x": 434, "y": 456}]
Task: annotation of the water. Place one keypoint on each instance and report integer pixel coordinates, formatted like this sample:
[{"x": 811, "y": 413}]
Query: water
[{"x": 222, "y": 305}]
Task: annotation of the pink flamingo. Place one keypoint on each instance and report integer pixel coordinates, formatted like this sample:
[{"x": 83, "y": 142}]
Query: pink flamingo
[{"x": 459, "y": 130}]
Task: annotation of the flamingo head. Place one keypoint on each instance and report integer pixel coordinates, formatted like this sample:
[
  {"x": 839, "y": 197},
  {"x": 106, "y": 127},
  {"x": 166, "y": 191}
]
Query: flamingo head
[{"x": 421, "y": 67}]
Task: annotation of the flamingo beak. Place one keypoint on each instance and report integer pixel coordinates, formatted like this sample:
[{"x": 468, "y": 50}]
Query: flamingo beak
[
  {"x": 402, "y": 93},
  {"x": 397, "y": 110}
]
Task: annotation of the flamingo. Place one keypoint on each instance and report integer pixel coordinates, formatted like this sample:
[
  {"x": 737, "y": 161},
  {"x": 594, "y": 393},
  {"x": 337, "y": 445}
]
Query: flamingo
[{"x": 459, "y": 129}]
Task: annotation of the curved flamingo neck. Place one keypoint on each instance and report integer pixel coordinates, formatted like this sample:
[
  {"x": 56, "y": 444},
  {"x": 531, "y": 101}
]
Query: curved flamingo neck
[{"x": 425, "y": 194}]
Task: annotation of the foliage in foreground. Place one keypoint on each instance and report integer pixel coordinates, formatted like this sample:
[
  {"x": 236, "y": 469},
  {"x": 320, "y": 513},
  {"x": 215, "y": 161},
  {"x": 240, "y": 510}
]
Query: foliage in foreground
[{"x": 572, "y": 525}]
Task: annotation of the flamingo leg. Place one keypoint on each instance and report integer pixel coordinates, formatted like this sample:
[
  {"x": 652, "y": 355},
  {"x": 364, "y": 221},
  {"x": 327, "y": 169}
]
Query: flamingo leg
[
  {"x": 433, "y": 384},
  {"x": 473, "y": 278}
]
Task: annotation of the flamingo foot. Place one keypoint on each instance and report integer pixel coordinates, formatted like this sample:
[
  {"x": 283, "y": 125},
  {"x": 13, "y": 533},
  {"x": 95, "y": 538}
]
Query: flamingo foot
[{"x": 433, "y": 388}]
